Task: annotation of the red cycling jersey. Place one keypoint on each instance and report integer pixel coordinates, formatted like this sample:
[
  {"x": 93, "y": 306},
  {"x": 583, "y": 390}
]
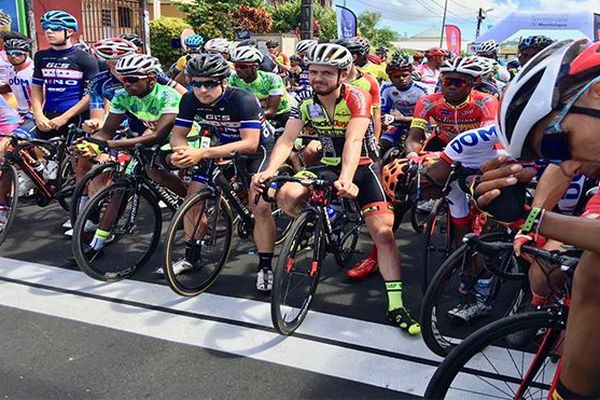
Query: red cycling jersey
[{"x": 478, "y": 110}]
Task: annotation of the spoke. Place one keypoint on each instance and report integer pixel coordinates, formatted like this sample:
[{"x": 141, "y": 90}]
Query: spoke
[
  {"x": 497, "y": 372},
  {"x": 482, "y": 393}
]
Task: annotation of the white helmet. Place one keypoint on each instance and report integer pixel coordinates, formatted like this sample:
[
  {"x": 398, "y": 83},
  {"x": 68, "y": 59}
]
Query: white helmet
[
  {"x": 218, "y": 45},
  {"x": 487, "y": 47},
  {"x": 246, "y": 54},
  {"x": 473, "y": 66},
  {"x": 534, "y": 93},
  {"x": 113, "y": 48},
  {"x": 138, "y": 64},
  {"x": 305, "y": 45},
  {"x": 489, "y": 66},
  {"x": 330, "y": 54}
]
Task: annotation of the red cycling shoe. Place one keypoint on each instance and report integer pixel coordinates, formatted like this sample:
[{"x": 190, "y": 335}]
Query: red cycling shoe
[{"x": 362, "y": 269}]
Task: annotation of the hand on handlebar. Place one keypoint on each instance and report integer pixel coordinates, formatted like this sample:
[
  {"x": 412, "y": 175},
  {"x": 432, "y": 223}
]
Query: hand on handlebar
[
  {"x": 259, "y": 181},
  {"x": 91, "y": 147},
  {"x": 497, "y": 175},
  {"x": 346, "y": 188},
  {"x": 91, "y": 125},
  {"x": 186, "y": 157}
]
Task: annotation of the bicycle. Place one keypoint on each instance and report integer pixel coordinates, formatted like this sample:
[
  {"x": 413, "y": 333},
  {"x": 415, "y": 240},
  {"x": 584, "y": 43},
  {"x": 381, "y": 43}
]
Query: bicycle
[
  {"x": 52, "y": 177},
  {"x": 531, "y": 367},
  {"x": 316, "y": 233},
  {"x": 201, "y": 230},
  {"x": 129, "y": 214}
]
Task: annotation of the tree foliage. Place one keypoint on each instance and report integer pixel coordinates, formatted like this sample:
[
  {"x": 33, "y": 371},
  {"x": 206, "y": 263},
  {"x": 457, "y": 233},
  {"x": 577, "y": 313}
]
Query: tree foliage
[
  {"x": 253, "y": 19},
  {"x": 162, "y": 31},
  {"x": 286, "y": 19},
  {"x": 367, "y": 25}
]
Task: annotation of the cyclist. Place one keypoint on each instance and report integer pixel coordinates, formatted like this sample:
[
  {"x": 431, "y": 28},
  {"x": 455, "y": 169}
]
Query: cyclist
[
  {"x": 359, "y": 47},
  {"x": 551, "y": 111},
  {"x": 218, "y": 45},
  {"x": 21, "y": 74},
  {"x": 135, "y": 39},
  {"x": 267, "y": 64},
  {"x": 399, "y": 99},
  {"x": 238, "y": 120},
  {"x": 382, "y": 52},
  {"x": 455, "y": 109},
  {"x": 417, "y": 59},
  {"x": 489, "y": 49},
  {"x": 9, "y": 121},
  {"x": 340, "y": 115},
  {"x": 60, "y": 77},
  {"x": 193, "y": 45},
  {"x": 530, "y": 46},
  {"x": 430, "y": 71},
  {"x": 266, "y": 86},
  {"x": 302, "y": 49},
  {"x": 282, "y": 61},
  {"x": 487, "y": 83}
]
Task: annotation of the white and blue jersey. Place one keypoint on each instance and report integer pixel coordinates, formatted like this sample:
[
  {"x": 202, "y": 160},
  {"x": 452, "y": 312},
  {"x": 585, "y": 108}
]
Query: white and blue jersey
[
  {"x": 402, "y": 99},
  {"x": 20, "y": 85}
]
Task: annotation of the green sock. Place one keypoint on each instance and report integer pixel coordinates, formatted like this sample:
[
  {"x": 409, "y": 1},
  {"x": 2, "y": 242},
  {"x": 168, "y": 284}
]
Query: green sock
[{"x": 394, "y": 292}]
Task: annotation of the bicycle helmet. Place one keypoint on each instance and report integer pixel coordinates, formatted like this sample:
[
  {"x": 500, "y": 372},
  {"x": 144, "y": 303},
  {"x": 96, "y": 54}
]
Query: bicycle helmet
[
  {"x": 356, "y": 45},
  {"x": 536, "y": 90},
  {"x": 381, "y": 50},
  {"x": 473, "y": 66},
  {"x": 217, "y": 45},
  {"x": 398, "y": 176},
  {"x": 113, "y": 48},
  {"x": 194, "y": 42},
  {"x": 435, "y": 52},
  {"x": 271, "y": 44},
  {"x": 487, "y": 47},
  {"x": 59, "y": 18},
  {"x": 18, "y": 44},
  {"x": 330, "y": 54},
  {"x": 535, "y": 42},
  {"x": 207, "y": 65},
  {"x": 133, "y": 38},
  {"x": 399, "y": 62},
  {"x": 304, "y": 46},
  {"x": 83, "y": 46},
  {"x": 418, "y": 56},
  {"x": 246, "y": 54},
  {"x": 5, "y": 19},
  {"x": 489, "y": 66},
  {"x": 138, "y": 65}
]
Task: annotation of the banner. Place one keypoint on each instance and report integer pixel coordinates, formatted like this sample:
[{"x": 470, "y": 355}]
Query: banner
[
  {"x": 596, "y": 27},
  {"x": 10, "y": 7},
  {"x": 346, "y": 22},
  {"x": 453, "y": 38}
]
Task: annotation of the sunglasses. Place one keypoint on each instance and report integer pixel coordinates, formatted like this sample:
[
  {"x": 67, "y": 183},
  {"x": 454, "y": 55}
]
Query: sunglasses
[
  {"x": 243, "y": 66},
  {"x": 133, "y": 79},
  {"x": 456, "y": 82},
  {"x": 15, "y": 53},
  {"x": 205, "y": 84},
  {"x": 53, "y": 27}
]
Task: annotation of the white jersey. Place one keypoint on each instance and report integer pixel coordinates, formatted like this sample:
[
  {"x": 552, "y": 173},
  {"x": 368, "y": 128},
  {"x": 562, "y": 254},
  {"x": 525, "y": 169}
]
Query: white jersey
[
  {"x": 404, "y": 99},
  {"x": 5, "y": 66},
  {"x": 20, "y": 85}
]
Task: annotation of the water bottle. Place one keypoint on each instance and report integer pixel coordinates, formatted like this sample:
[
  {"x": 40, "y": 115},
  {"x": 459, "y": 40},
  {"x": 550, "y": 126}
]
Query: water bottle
[
  {"x": 36, "y": 165},
  {"x": 51, "y": 170},
  {"x": 25, "y": 184},
  {"x": 483, "y": 287},
  {"x": 334, "y": 210}
]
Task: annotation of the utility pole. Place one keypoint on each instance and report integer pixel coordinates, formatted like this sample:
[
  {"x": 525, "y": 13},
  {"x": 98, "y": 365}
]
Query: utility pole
[
  {"x": 306, "y": 19},
  {"x": 443, "y": 23},
  {"x": 481, "y": 15}
]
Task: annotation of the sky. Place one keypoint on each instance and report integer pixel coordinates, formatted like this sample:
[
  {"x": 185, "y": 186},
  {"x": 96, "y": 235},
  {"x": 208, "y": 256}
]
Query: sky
[{"x": 414, "y": 16}]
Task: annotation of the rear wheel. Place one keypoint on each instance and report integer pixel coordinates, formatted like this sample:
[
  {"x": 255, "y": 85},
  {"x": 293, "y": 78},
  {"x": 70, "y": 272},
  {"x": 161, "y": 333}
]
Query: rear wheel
[
  {"x": 8, "y": 178},
  {"x": 65, "y": 183},
  {"x": 296, "y": 275},
  {"x": 82, "y": 189},
  {"x": 131, "y": 222}
]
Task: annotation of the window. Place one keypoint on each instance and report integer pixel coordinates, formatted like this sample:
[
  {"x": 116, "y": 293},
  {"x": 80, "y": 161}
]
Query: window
[
  {"x": 106, "y": 17},
  {"x": 125, "y": 17}
]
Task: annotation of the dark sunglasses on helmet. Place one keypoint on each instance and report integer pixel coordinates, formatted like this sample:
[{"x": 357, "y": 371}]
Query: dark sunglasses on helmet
[
  {"x": 53, "y": 27},
  {"x": 205, "y": 84},
  {"x": 456, "y": 82}
]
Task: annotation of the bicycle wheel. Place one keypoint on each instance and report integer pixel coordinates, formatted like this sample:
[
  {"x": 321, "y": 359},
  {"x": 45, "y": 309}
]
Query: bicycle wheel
[
  {"x": 488, "y": 365},
  {"x": 81, "y": 189},
  {"x": 203, "y": 243},
  {"x": 296, "y": 276},
  {"x": 438, "y": 240},
  {"x": 8, "y": 175},
  {"x": 419, "y": 216},
  {"x": 134, "y": 225},
  {"x": 65, "y": 183},
  {"x": 441, "y": 327},
  {"x": 347, "y": 229}
]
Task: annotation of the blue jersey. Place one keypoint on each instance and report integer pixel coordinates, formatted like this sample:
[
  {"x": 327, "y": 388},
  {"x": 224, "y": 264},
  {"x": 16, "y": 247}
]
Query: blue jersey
[
  {"x": 64, "y": 75},
  {"x": 237, "y": 109},
  {"x": 404, "y": 99}
]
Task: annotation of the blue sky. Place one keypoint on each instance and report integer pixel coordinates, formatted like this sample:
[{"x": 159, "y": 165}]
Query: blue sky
[{"x": 414, "y": 16}]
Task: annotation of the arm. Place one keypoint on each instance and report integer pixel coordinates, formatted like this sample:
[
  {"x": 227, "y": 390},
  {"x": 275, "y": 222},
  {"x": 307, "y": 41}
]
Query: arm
[
  {"x": 37, "y": 99},
  {"x": 5, "y": 88},
  {"x": 377, "y": 116},
  {"x": 355, "y": 133},
  {"x": 576, "y": 231},
  {"x": 112, "y": 123},
  {"x": 551, "y": 187},
  {"x": 248, "y": 145},
  {"x": 414, "y": 139},
  {"x": 416, "y": 134},
  {"x": 272, "y": 106},
  {"x": 158, "y": 135},
  {"x": 181, "y": 78}
]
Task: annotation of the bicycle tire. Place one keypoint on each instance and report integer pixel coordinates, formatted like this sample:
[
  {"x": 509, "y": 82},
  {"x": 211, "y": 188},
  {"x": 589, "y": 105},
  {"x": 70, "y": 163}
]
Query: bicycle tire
[
  {"x": 444, "y": 225},
  {"x": 12, "y": 199},
  {"x": 176, "y": 282},
  {"x": 65, "y": 183},
  {"x": 91, "y": 209},
  {"x": 81, "y": 187},
  {"x": 489, "y": 337},
  {"x": 435, "y": 340},
  {"x": 417, "y": 225},
  {"x": 284, "y": 272}
]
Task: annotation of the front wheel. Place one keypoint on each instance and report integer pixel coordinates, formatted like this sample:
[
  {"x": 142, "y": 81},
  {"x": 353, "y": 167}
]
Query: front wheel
[
  {"x": 296, "y": 274},
  {"x": 438, "y": 240},
  {"x": 489, "y": 364},
  {"x": 9, "y": 186},
  {"x": 198, "y": 243},
  {"x": 117, "y": 232}
]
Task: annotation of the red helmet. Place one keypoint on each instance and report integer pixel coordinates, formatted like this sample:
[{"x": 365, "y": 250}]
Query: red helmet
[
  {"x": 435, "y": 51},
  {"x": 374, "y": 59},
  {"x": 587, "y": 62}
]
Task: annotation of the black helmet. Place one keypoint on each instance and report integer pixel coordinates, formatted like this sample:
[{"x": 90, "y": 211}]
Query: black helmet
[
  {"x": 17, "y": 44},
  {"x": 356, "y": 45},
  {"x": 535, "y": 42},
  {"x": 133, "y": 38},
  {"x": 399, "y": 62},
  {"x": 207, "y": 65},
  {"x": 381, "y": 50},
  {"x": 271, "y": 44}
]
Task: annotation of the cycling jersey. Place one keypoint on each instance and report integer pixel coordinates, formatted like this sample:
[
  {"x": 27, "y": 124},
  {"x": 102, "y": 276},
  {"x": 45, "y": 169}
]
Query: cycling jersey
[
  {"x": 402, "y": 99},
  {"x": 148, "y": 109},
  {"x": 266, "y": 84},
  {"x": 428, "y": 76},
  {"x": 282, "y": 59},
  {"x": 376, "y": 71},
  {"x": 5, "y": 67},
  {"x": 9, "y": 118},
  {"x": 20, "y": 85},
  {"x": 182, "y": 62},
  {"x": 237, "y": 109},
  {"x": 489, "y": 87},
  {"x": 367, "y": 83},
  {"x": 478, "y": 110},
  {"x": 352, "y": 103},
  {"x": 64, "y": 75}
]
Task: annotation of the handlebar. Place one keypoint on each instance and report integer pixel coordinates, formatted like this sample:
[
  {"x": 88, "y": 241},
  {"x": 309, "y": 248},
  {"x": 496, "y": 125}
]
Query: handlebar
[{"x": 317, "y": 183}]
